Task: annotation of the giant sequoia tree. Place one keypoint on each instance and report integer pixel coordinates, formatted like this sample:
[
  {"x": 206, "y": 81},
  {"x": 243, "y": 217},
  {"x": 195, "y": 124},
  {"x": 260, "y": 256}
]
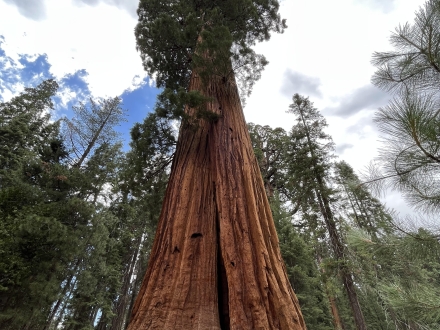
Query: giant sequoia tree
[{"x": 215, "y": 262}]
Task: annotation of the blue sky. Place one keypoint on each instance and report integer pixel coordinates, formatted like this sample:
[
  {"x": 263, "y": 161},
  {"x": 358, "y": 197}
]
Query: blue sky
[{"x": 30, "y": 70}]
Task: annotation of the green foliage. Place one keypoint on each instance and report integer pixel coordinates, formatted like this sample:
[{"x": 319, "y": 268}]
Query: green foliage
[
  {"x": 38, "y": 217},
  {"x": 310, "y": 161},
  {"x": 409, "y": 160},
  {"x": 362, "y": 210},
  {"x": 415, "y": 62},
  {"x": 302, "y": 270},
  {"x": 212, "y": 38},
  {"x": 403, "y": 271},
  {"x": 136, "y": 203},
  {"x": 56, "y": 236},
  {"x": 271, "y": 147},
  {"x": 23, "y": 121},
  {"x": 405, "y": 262},
  {"x": 171, "y": 104}
]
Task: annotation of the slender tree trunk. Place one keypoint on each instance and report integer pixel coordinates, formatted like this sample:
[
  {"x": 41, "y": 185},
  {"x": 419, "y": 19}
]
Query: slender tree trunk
[
  {"x": 120, "y": 309},
  {"x": 66, "y": 288},
  {"x": 140, "y": 269},
  {"x": 331, "y": 299},
  {"x": 60, "y": 317},
  {"x": 338, "y": 249},
  {"x": 335, "y": 312},
  {"x": 337, "y": 246},
  {"x": 216, "y": 263}
]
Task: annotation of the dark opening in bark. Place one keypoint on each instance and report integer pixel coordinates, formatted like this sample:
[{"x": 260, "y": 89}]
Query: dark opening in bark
[{"x": 222, "y": 286}]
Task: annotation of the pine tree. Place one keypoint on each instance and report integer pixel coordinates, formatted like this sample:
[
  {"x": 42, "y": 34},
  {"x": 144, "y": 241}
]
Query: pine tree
[
  {"x": 409, "y": 160},
  {"x": 309, "y": 132},
  {"x": 363, "y": 212},
  {"x": 272, "y": 147},
  {"x": 215, "y": 262},
  {"x": 92, "y": 125},
  {"x": 97, "y": 279}
]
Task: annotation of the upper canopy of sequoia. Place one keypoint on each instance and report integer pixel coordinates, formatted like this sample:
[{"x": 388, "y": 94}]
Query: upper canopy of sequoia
[{"x": 170, "y": 34}]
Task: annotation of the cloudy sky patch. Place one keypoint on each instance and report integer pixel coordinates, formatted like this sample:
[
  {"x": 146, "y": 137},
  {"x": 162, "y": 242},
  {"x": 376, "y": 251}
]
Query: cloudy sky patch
[
  {"x": 32, "y": 9},
  {"x": 138, "y": 98},
  {"x": 342, "y": 147},
  {"x": 296, "y": 82},
  {"x": 386, "y": 6},
  {"x": 129, "y": 5},
  {"x": 367, "y": 97},
  {"x": 24, "y": 70}
]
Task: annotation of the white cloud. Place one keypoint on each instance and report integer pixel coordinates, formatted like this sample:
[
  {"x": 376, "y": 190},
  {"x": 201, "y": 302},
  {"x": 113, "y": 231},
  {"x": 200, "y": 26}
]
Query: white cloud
[
  {"x": 35, "y": 10},
  {"x": 99, "y": 39}
]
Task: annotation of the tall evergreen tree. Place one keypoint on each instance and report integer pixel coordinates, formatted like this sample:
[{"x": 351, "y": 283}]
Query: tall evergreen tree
[
  {"x": 57, "y": 237},
  {"x": 91, "y": 126},
  {"x": 40, "y": 217},
  {"x": 272, "y": 147},
  {"x": 309, "y": 131},
  {"x": 216, "y": 261}
]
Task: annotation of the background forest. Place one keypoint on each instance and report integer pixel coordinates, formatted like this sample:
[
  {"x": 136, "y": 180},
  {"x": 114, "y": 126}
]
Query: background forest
[{"x": 78, "y": 212}]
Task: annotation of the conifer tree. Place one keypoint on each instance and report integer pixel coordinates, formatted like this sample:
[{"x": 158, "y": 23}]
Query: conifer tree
[
  {"x": 272, "y": 148},
  {"x": 141, "y": 186},
  {"x": 40, "y": 217},
  {"x": 92, "y": 125},
  {"x": 309, "y": 132},
  {"x": 215, "y": 262}
]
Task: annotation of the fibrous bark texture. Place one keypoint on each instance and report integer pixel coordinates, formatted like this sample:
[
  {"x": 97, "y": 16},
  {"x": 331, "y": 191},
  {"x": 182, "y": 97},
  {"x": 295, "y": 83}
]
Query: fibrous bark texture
[{"x": 216, "y": 262}]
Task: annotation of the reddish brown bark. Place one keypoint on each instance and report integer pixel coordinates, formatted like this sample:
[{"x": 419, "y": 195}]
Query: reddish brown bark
[{"x": 216, "y": 263}]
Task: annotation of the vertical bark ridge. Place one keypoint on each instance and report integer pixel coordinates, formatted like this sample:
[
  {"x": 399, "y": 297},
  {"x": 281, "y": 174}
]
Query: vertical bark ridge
[{"x": 227, "y": 272}]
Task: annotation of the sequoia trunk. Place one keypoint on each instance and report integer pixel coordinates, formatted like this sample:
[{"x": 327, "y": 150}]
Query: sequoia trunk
[{"x": 215, "y": 262}]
